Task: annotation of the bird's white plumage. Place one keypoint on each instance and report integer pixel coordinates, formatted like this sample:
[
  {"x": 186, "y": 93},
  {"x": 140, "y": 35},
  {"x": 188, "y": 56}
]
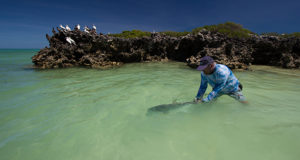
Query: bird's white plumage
[
  {"x": 62, "y": 27},
  {"x": 78, "y": 26},
  {"x": 68, "y": 28},
  {"x": 70, "y": 40},
  {"x": 86, "y": 29}
]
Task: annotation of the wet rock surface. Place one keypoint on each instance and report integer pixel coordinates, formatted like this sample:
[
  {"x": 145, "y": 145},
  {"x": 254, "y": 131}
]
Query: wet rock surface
[{"x": 78, "y": 48}]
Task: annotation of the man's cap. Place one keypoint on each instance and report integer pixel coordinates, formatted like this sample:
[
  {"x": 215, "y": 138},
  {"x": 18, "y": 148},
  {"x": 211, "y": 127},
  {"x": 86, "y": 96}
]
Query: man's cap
[{"x": 204, "y": 62}]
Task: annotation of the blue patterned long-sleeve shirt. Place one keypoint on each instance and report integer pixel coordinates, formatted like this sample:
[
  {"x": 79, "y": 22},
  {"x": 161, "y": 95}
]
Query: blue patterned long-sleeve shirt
[{"x": 222, "y": 80}]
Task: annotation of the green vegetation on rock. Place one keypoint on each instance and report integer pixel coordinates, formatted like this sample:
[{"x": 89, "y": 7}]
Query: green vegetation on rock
[
  {"x": 285, "y": 35},
  {"x": 132, "y": 34},
  {"x": 175, "y": 34},
  {"x": 231, "y": 29}
]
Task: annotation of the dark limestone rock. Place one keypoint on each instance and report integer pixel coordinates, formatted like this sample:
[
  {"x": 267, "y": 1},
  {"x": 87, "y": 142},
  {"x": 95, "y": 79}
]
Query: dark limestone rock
[{"x": 102, "y": 51}]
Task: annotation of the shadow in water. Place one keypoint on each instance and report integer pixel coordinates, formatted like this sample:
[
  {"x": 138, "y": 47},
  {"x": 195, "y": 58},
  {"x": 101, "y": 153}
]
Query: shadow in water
[{"x": 165, "y": 108}]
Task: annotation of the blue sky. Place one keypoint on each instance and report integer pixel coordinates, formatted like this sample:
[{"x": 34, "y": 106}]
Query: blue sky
[{"x": 25, "y": 23}]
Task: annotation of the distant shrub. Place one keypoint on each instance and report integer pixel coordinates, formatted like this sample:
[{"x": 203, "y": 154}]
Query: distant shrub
[
  {"x": 132, "y": 34},
  {"x": 284, "y": 35},
  {"x": 175, "y": 34},
  {"x": 196, "y": 30},
  {"x": 271, "y": 34},
  {"x": 295, "y": 34},
  {"x": 229, "y": 28}
]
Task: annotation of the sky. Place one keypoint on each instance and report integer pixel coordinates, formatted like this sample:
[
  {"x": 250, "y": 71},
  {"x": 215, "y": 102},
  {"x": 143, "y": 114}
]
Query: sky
[{"x": 24, "y": 23}]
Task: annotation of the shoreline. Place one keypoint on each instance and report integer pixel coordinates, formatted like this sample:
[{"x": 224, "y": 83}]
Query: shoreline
[{"x": 255, "y": 67}]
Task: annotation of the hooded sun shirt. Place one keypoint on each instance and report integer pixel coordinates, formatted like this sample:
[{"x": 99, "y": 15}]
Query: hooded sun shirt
[{"x": 222, "y": 80}]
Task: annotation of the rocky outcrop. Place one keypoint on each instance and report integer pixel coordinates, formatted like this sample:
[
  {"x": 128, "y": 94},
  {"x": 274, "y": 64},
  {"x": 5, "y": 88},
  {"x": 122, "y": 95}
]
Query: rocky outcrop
[{"x": 101, "y": 51}]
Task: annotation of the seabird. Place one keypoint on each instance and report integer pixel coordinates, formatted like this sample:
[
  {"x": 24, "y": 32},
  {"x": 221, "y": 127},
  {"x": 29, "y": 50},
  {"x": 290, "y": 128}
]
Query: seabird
[
  {"x": 94, "y": 27},
  {"x": 86, "y": 29},
  {"x": 68, "y": 28},
  {"x": 78, "y": 26},
  {"x": 70, "y": 40},
  {"x": 62, "y": 27}
]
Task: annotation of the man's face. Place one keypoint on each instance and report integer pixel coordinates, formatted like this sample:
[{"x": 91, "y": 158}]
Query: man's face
[{"x": 208, "y": 69}]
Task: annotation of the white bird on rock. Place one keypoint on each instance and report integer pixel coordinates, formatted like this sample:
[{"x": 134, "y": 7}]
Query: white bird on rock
[
  {"x": 94, "y": 27},
  {"x": 86, "y": 29},
  {"x": 62, "y": 27},
  {"x": 78, "y": 26},
  {"x": 68, "y": 28},
  {"x": 70, "y": 40}
]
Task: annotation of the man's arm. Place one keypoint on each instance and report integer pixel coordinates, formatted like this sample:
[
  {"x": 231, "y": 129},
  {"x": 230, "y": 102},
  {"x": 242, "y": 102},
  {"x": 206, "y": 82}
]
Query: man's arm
[{"x": 202, "y": 87}]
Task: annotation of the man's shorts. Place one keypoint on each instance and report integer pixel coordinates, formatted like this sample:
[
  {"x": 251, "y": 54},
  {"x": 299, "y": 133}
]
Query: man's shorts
[{"x": 238, "y": 95}]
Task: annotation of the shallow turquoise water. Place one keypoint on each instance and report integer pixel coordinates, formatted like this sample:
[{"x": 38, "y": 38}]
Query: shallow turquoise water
[{"x": 80, "y": 113}]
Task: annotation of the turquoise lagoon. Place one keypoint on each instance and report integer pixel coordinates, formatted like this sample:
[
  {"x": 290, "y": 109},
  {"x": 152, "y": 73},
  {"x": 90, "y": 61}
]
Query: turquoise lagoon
[{"x": 80, "y": 113}]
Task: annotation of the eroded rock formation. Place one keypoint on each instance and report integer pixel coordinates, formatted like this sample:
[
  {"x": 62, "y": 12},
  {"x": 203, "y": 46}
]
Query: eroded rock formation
[{"x": 101, "y": 51}]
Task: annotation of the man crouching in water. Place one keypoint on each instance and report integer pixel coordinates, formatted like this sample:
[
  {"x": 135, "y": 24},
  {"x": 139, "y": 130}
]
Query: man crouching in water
[{"x": 221, "y": 79}]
